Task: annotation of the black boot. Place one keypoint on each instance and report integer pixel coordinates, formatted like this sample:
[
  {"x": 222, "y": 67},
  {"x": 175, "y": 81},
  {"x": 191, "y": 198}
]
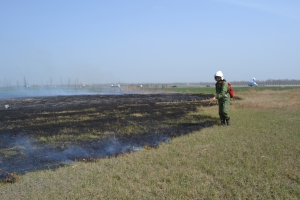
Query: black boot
[
  {"x": 222, "y": 122},
  {"x": 228, "y": 121}
]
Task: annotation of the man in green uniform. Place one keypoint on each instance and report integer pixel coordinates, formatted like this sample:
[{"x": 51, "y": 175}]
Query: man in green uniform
[{"x": 223, "y": 97}]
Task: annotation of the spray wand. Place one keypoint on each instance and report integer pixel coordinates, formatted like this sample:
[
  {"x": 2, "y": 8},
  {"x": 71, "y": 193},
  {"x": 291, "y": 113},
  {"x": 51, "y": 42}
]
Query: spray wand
[
  {"x": 209, "y": 103},
  {"x": 211, "y": 100}
]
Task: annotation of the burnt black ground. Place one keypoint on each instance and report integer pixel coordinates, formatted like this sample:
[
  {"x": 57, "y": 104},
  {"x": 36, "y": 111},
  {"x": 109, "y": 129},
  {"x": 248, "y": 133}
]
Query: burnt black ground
[{"x": 155, "y": 117}]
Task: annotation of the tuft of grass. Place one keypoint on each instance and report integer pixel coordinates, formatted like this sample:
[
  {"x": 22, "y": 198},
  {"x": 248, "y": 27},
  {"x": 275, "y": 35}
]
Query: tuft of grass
[
  {"x": 10, "y": 178},
  {"x": 139, "y": 114},
  {"x": 9, "y": 152}
]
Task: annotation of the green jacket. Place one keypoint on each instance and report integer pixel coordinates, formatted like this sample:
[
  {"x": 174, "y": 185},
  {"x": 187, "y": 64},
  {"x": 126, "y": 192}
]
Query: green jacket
[{"x": 222, "y": 91}]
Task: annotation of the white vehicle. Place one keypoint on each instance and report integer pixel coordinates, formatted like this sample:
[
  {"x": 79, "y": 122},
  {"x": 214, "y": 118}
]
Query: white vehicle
[
  {"x": 252, "y": 83},
  {"x": 118, "y": 86}
]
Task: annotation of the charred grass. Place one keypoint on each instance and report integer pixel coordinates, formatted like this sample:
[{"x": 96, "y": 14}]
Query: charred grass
[
  {"x": 81, "y": 123},
  {"x": 257, "y": 157}
]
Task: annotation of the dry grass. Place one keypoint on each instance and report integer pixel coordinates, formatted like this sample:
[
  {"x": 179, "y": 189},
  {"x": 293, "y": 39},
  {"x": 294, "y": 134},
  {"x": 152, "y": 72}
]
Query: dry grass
[
  {"x": 255, "y": 158},
  {"x": 286, "y": 99}
]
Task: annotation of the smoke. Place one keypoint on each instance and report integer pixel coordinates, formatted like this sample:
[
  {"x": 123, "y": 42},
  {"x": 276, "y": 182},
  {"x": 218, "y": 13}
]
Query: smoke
[
  {"x": 25, "y": 92},
  {"x": 40, "y": 91},
  {"x": 21, "y": 154}
]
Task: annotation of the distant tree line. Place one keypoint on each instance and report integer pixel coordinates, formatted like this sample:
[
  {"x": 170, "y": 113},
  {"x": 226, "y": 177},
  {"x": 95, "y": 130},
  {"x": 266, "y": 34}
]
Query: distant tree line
[
  {"x": 76, "y": 83},
  {"x": 261, "y": 83},
  {"x": 270, "y": 82}
]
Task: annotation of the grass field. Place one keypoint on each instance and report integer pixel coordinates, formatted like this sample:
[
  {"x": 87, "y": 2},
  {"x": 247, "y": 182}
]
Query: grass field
[
  {"x": 257, "y": 157},
  {"x": 210, "y": 90}
]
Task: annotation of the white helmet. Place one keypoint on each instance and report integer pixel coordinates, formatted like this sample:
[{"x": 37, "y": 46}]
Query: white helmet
[{"x": 220, "y": 74}]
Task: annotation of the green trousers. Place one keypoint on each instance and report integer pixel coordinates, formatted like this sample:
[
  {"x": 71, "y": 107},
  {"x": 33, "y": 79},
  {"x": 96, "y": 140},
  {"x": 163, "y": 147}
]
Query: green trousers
[{"x": 223, "y": 109}]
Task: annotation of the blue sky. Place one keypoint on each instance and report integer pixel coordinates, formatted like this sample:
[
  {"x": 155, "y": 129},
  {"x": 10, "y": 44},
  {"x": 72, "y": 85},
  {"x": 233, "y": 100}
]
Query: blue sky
[{"x": 150, "y": 41}]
